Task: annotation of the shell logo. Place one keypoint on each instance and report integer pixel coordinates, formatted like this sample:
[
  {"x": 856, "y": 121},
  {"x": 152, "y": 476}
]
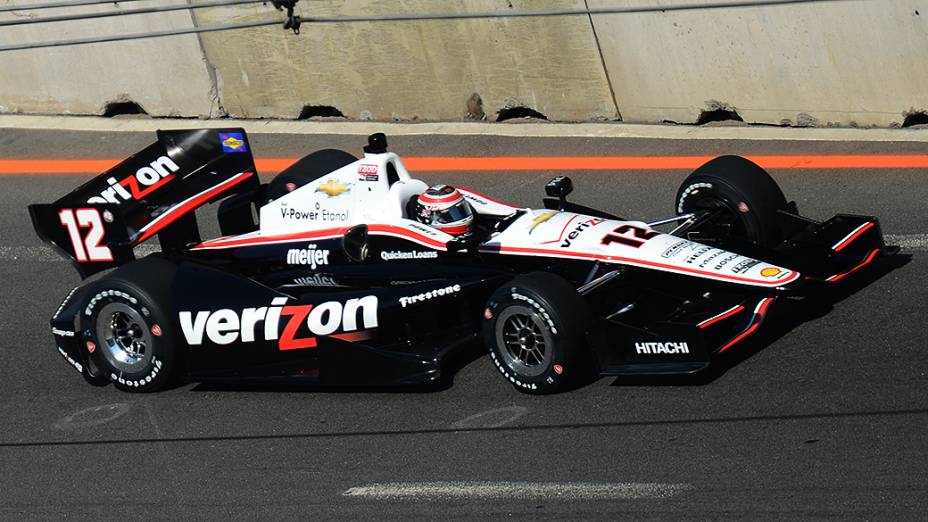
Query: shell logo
[{"x": 770, "y": 271}]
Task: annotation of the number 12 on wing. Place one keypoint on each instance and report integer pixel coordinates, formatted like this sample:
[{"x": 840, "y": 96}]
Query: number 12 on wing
[
  {"x": 88, "y": 247},
  {"x": 629, "y": 235}
]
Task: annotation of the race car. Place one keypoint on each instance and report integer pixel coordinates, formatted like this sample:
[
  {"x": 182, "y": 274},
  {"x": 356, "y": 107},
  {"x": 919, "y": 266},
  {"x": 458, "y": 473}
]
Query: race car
[{"x": 347, "y": 271}]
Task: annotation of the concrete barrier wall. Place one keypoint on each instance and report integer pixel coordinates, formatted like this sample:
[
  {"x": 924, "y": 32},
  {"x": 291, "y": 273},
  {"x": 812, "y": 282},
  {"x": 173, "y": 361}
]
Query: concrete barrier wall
[
  {"x": 845, "y": 63},
  {"x": 832, "y": 63},
  {"x": 412, "y": 70},
  {"x": 166, "y": 76}
]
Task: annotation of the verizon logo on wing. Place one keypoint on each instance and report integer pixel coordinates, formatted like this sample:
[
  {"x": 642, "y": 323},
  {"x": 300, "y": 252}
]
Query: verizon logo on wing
[
  {"x": 293, "y": 326},
  {"x": 146, "y": 180},
  {"x": 661, "y": 348},
  {"x": 575, "y": 233}
]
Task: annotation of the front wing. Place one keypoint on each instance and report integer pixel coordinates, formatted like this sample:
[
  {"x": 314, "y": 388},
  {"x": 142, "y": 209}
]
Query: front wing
[{"x": 682, "y": 326}]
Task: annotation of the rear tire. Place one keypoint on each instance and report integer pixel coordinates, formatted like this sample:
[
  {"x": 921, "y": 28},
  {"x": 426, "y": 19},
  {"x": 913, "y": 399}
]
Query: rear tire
[
  {"x": 132, "y": 337},
  {"x": 535, "y": 330},
  {"x": 749, "y": 197},
  {"x": 311, "y": 167}
]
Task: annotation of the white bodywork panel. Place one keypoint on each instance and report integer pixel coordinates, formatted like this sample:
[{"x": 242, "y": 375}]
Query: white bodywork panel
[
  {"x": 553, "y": 233},
  {"x": 354, "y": 194},
  {"x": 360, "y": 193}
]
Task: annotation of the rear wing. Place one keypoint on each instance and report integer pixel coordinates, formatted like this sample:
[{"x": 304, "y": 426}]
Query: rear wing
[{"x": 153, "y": 192}]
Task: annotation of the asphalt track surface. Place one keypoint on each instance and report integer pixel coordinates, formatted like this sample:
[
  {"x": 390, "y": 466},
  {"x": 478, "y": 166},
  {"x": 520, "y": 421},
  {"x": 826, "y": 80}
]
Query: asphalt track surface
[{"x": 822, "y": 417}]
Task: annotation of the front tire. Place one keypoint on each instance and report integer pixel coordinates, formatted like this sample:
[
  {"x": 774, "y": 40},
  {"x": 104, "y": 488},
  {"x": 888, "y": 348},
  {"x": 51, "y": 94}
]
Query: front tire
[
  {"x": 534, "y": 328},
  {"x": 747, "y": 200}
]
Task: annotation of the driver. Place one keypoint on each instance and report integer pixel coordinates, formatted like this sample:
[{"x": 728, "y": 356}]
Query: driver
[{"x": 444, "y": 208}]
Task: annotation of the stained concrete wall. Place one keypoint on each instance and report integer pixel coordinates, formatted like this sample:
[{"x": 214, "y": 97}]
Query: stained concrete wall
[
  {"x": 858, "y": 62},
  {"x": 845, "y": 63},
  {"x": 411, "y": 70},
  {"x": 166, "y": 76}
]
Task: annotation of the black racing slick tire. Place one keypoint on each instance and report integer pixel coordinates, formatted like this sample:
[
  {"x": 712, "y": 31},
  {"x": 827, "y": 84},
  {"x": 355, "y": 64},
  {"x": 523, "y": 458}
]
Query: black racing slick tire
[
  {"x": 535, "y": 330},
  {"x": 128, "y": 335},
  {"x": 309, "y": 168},
  {"x": 746, "y": 197}
]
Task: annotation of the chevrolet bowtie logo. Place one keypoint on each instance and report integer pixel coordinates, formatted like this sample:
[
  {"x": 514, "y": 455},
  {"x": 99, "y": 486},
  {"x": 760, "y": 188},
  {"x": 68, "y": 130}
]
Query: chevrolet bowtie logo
[
  {"x": 541, "y": 218},
  {"x": 333, "y": 188}
]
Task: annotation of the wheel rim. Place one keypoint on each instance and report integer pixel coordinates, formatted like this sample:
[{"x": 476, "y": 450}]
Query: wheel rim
[
  {"x": 124, "y": 337},
  {"x": 728, "y": 221},
  {"x": 524, "y": 340}
]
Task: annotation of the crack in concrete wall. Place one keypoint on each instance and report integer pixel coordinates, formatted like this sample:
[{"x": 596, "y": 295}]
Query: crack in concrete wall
[
  {"x": 215, "y": 91},
  {"x": 602, "y": 60}
]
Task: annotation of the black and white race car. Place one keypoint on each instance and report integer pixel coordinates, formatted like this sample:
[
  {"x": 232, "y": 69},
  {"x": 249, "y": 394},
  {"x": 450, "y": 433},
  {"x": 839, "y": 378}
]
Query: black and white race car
[{"x": 328, "y": 273}]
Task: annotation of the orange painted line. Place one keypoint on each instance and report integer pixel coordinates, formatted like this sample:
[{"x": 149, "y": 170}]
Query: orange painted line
[
  {"x": 55, "y": 166},
  {"x": 274, "y": 165},
  {"x": 533, "y": 163},
  {"x": 660, "y": 162}
]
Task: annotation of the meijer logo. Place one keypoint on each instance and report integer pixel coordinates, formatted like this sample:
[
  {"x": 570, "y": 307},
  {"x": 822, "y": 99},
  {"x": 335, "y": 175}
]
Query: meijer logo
[{"x": 310, "y": 255}]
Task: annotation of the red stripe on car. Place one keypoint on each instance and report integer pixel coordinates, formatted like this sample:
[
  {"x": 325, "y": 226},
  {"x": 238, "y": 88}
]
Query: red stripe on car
[
  {"x": 390, "y": 230},
  {"x": 721, "y": 317},
  {"x": 837, "y": 277},
  {"x": 187, "y": 205},
  {"x": 852, "y": 236},
  {"x": 756, "y": 319}
]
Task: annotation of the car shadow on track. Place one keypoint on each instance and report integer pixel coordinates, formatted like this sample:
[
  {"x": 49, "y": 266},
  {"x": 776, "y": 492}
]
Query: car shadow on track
[
  {"x": 457, "y": 431},
  {"x": 780, "y": 321},
  {"x": 451, "y": 365}
]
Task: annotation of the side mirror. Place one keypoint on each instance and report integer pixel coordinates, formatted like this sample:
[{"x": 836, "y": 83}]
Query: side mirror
[
  {"x": 376, "y": 143},
  {"x": 559, "y": 188},
  {"x": 354, "y": 243}
]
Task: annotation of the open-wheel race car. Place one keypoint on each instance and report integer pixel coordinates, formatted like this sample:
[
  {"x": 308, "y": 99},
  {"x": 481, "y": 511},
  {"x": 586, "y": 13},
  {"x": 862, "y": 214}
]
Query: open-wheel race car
[{"x": 346, "y": 271}]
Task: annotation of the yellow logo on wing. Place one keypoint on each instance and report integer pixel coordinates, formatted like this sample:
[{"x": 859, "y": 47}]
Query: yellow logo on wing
[
  {"x": 541, "y": 218},
  {"x": 333, "y": 188},
  {"x": 770, "y": 272},
  {"x": 233, "y": 143}
]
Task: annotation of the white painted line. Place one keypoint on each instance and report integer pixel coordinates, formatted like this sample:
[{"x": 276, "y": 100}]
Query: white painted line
[
  {"x": 28, "y": 253},
  {"x": 910, "y": 242},
  {"x": 494, "y": 418},
  {"x": 528, "y": 130},
  {"x": 516, "y": 490},
  {"x": 47, "y": 254}
]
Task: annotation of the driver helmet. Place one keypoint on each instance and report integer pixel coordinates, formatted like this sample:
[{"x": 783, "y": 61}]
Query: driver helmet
[{"x": 443, "y": 207}]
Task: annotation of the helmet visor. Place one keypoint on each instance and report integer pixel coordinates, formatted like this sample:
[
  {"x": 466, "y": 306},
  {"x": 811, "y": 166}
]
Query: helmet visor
[{"x": 454, "y": 214}]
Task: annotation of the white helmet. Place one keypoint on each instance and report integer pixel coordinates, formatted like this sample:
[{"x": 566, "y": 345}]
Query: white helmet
[{"x": 444, "y": 208}]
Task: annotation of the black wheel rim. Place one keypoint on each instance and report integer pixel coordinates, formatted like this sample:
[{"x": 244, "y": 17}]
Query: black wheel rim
[{"x": 525, "y": 341}]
